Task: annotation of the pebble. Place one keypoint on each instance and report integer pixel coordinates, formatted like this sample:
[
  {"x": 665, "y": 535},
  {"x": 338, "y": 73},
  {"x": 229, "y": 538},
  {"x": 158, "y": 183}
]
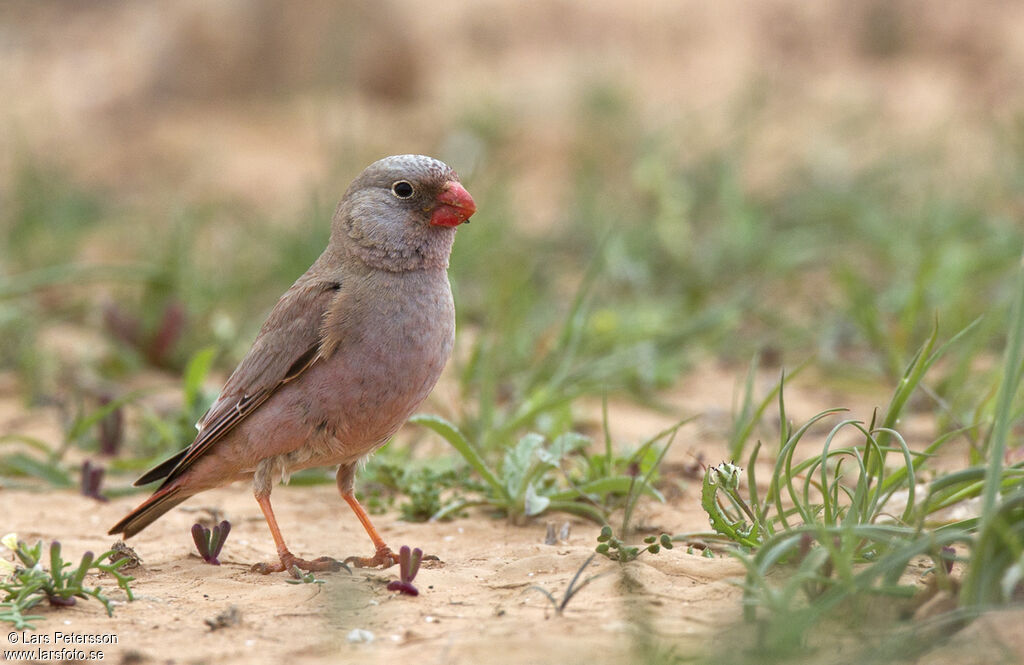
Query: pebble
[{"x": 359, "y": 635}]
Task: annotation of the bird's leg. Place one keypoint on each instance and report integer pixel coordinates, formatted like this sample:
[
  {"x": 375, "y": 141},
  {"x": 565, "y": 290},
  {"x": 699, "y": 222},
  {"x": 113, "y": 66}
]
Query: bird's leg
[
  {"x": 383, "y": 556},
  {"x": 287, "y": 558}
]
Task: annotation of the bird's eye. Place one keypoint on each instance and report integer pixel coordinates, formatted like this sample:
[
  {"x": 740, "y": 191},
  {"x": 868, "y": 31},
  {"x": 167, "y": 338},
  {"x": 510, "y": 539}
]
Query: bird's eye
[{"x": 402, "y": 189}]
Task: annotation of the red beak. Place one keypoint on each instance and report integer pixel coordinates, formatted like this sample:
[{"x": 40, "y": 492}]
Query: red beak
[{"x": 454, "y": 205}]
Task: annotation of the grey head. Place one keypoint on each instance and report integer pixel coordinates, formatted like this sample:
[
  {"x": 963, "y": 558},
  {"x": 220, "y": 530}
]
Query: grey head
[{"x": 400, "y": 214}]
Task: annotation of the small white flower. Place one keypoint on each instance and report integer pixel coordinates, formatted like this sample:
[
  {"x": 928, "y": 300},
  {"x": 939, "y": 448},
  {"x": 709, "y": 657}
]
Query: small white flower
[
  {"x": 10, "y": 541},
  {"x": 6, "y": 568}
]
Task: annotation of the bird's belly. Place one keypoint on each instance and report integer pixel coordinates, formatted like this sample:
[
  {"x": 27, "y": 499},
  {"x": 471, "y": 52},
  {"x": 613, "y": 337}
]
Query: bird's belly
[
  {"x": 345, "y": 406},
  {"x": 365, "y": 399},
  {"x": 345, "y": 410},
  {"x": 354, "y": 401}
]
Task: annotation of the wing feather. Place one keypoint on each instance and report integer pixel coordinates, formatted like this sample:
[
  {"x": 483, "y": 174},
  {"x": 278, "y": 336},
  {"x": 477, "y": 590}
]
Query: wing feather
[{"x": 289, "y": 342}]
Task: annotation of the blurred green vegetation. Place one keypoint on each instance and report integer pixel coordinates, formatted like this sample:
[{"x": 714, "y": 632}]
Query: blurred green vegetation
[{"x": 658, "y": 257}]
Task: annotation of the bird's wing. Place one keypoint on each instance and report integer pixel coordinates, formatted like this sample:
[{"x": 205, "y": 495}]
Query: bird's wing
[{"x": 288, "y": 343}]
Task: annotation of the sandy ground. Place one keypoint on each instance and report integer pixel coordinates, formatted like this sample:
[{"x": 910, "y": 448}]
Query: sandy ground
[
  {"x": 476, "y": 604},
  {"x": 472, "y": 602}
]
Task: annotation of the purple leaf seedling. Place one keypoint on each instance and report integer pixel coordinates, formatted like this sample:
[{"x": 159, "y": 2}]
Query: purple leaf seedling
[
  {"x": 408, "y": 566},
  {"x": 209, "y": 542},
  {"x": 111, "y": 428},
  {"x": 92, "y": 478},
  {"x": 156, "y": 344}
]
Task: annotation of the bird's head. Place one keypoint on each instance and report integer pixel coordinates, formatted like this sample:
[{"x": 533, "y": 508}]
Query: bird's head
[{"x": 401, "y": 212}]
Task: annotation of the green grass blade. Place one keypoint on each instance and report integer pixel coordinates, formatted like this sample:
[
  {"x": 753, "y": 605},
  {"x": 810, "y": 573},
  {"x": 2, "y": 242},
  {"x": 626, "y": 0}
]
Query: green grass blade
[
  {"x": 453, "y": 436},
  {"x": 978, "y": 588}
]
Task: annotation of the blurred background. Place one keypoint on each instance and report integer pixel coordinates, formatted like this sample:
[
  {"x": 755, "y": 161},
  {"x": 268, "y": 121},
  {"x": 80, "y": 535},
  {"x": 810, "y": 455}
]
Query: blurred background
[
  {"x": 673, "y": 195},
  {"x": 660, "y": 185}
]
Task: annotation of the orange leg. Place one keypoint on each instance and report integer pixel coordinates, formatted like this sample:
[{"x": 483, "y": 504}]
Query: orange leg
[
  {"x": 287, "y": 558},
  {"x": 383, "y": 556}
]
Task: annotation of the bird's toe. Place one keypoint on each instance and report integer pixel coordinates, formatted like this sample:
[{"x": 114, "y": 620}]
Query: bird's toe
[
  {"x": 383, "y": 558},
  {"x": 290, "y": 562},
  {"x": 265, "y": 568},
  {"x": 323, "y": 563}
]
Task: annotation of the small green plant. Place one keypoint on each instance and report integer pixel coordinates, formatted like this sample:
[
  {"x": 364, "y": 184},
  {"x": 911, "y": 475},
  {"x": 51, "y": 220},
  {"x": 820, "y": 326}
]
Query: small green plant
[
  {"x": 821, "y": 489},
  {"x": 724, "y": 479},
  {"x": 525, "y": 485},
  {"x": 995, "y": 572},
  {"x": 210, "y": 541},
  {"x": 616, "y": 550},
  {"x": 848, "y": 523},
  {"x": 423, "y": 492},
  {"x": 426, "y": 486},
  {"x": 571, "y": 590},
  {"x": 750, "y": 411},
  {"x": 303, "y": 577},
  {"x": 28, "y": 584}
]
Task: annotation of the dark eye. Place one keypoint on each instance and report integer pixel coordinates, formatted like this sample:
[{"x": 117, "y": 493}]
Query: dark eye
[{"x": 402, "y": 189}]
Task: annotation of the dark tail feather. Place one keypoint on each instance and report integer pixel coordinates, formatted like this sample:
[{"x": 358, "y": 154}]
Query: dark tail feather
[
  {"x": 161, "y": 470},
  {"x": 149, "y": 511}
]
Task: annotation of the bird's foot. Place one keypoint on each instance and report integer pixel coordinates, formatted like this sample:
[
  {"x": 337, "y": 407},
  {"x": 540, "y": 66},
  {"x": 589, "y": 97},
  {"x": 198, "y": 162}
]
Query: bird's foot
[
  {"x": 383, "y": 558},
  {"x": 289, "y": 560}
]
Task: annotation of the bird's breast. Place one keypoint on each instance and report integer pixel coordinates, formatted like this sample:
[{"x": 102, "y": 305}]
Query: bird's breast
[{"x": 384, "y": 366}]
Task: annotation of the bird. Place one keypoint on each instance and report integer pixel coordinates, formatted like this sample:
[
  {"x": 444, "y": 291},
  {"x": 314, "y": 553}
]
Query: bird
[{"x": 345, "y": 357}]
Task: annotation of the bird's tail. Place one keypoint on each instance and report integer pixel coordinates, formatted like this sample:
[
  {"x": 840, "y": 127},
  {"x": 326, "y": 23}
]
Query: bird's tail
[{"x": 150, "y": 510}]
